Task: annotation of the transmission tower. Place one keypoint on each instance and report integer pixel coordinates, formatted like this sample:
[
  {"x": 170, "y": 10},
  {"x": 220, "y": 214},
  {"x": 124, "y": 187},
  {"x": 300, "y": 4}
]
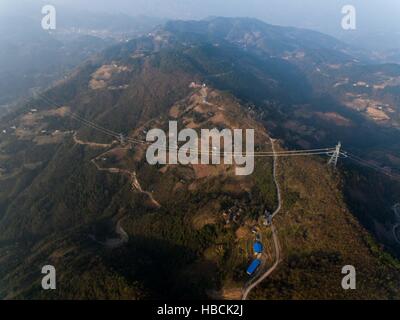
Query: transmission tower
[
  {"x": 121, "y": 138},
  {"x": 335, "y": 156}
]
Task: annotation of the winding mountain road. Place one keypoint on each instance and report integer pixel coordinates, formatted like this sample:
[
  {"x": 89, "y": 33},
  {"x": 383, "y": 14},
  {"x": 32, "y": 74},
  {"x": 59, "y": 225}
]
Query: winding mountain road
[
  {"x": 123, "y": 236},
  {"x": 396, "y": 210},
  {"x": 265, "y": 275},
  {"x": 252, "y": 284},
  {"x": 278, "y": 189}
]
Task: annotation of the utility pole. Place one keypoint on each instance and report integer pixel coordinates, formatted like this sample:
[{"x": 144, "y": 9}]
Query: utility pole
[
  {"x": 335, "y": 156},
  {"x": 121, "y": 138}
]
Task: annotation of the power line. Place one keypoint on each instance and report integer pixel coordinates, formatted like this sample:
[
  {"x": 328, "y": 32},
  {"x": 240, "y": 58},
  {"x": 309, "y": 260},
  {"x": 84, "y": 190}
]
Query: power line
[
  {"x": 114, "y": 134},
  {"x": 81, "y": 119},
  {"x": 372, "y": 166},
  {"x": 335, "y": 153}
]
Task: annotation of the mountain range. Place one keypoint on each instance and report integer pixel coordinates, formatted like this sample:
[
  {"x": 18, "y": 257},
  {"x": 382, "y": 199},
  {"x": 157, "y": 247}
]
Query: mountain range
[{"x": 76, "y": 195}]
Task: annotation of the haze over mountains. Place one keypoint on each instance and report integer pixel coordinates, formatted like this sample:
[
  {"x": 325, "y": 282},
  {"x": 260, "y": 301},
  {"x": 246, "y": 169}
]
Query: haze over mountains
[
  {"x": 74, "y": 196},
  {"x": 377, "y": 21},
  {"x": 82, "y": 26},
  {"x": 32, "y": 59}
]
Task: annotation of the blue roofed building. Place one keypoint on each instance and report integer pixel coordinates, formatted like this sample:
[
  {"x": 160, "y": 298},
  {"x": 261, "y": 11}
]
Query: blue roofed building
[
  {"x": 253, "y": 267},
  {"x": 258, "y": 247}
]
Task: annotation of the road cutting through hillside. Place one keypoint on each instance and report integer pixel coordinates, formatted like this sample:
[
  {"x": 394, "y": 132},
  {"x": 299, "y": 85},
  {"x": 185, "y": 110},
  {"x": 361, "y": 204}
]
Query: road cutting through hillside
[
  {"x": 396, "y": 210},
  {"x": 115, "y": 243},
  {"x": 132, "y": 174},
  {"x": 252, "y": 284},
  {"x": 278, "y": 189},
  {"x": 123, "y": 235}
]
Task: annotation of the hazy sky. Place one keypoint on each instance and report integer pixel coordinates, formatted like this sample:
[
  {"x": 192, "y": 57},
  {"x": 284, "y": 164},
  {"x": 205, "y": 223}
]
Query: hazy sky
[
  {"x": 321, "y": 14},
  {"x": 373, "y": 16}
]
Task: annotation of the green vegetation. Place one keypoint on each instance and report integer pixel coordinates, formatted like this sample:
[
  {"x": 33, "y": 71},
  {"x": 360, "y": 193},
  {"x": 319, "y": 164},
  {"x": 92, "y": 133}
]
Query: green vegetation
[{"x": 58, "y": 208}]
